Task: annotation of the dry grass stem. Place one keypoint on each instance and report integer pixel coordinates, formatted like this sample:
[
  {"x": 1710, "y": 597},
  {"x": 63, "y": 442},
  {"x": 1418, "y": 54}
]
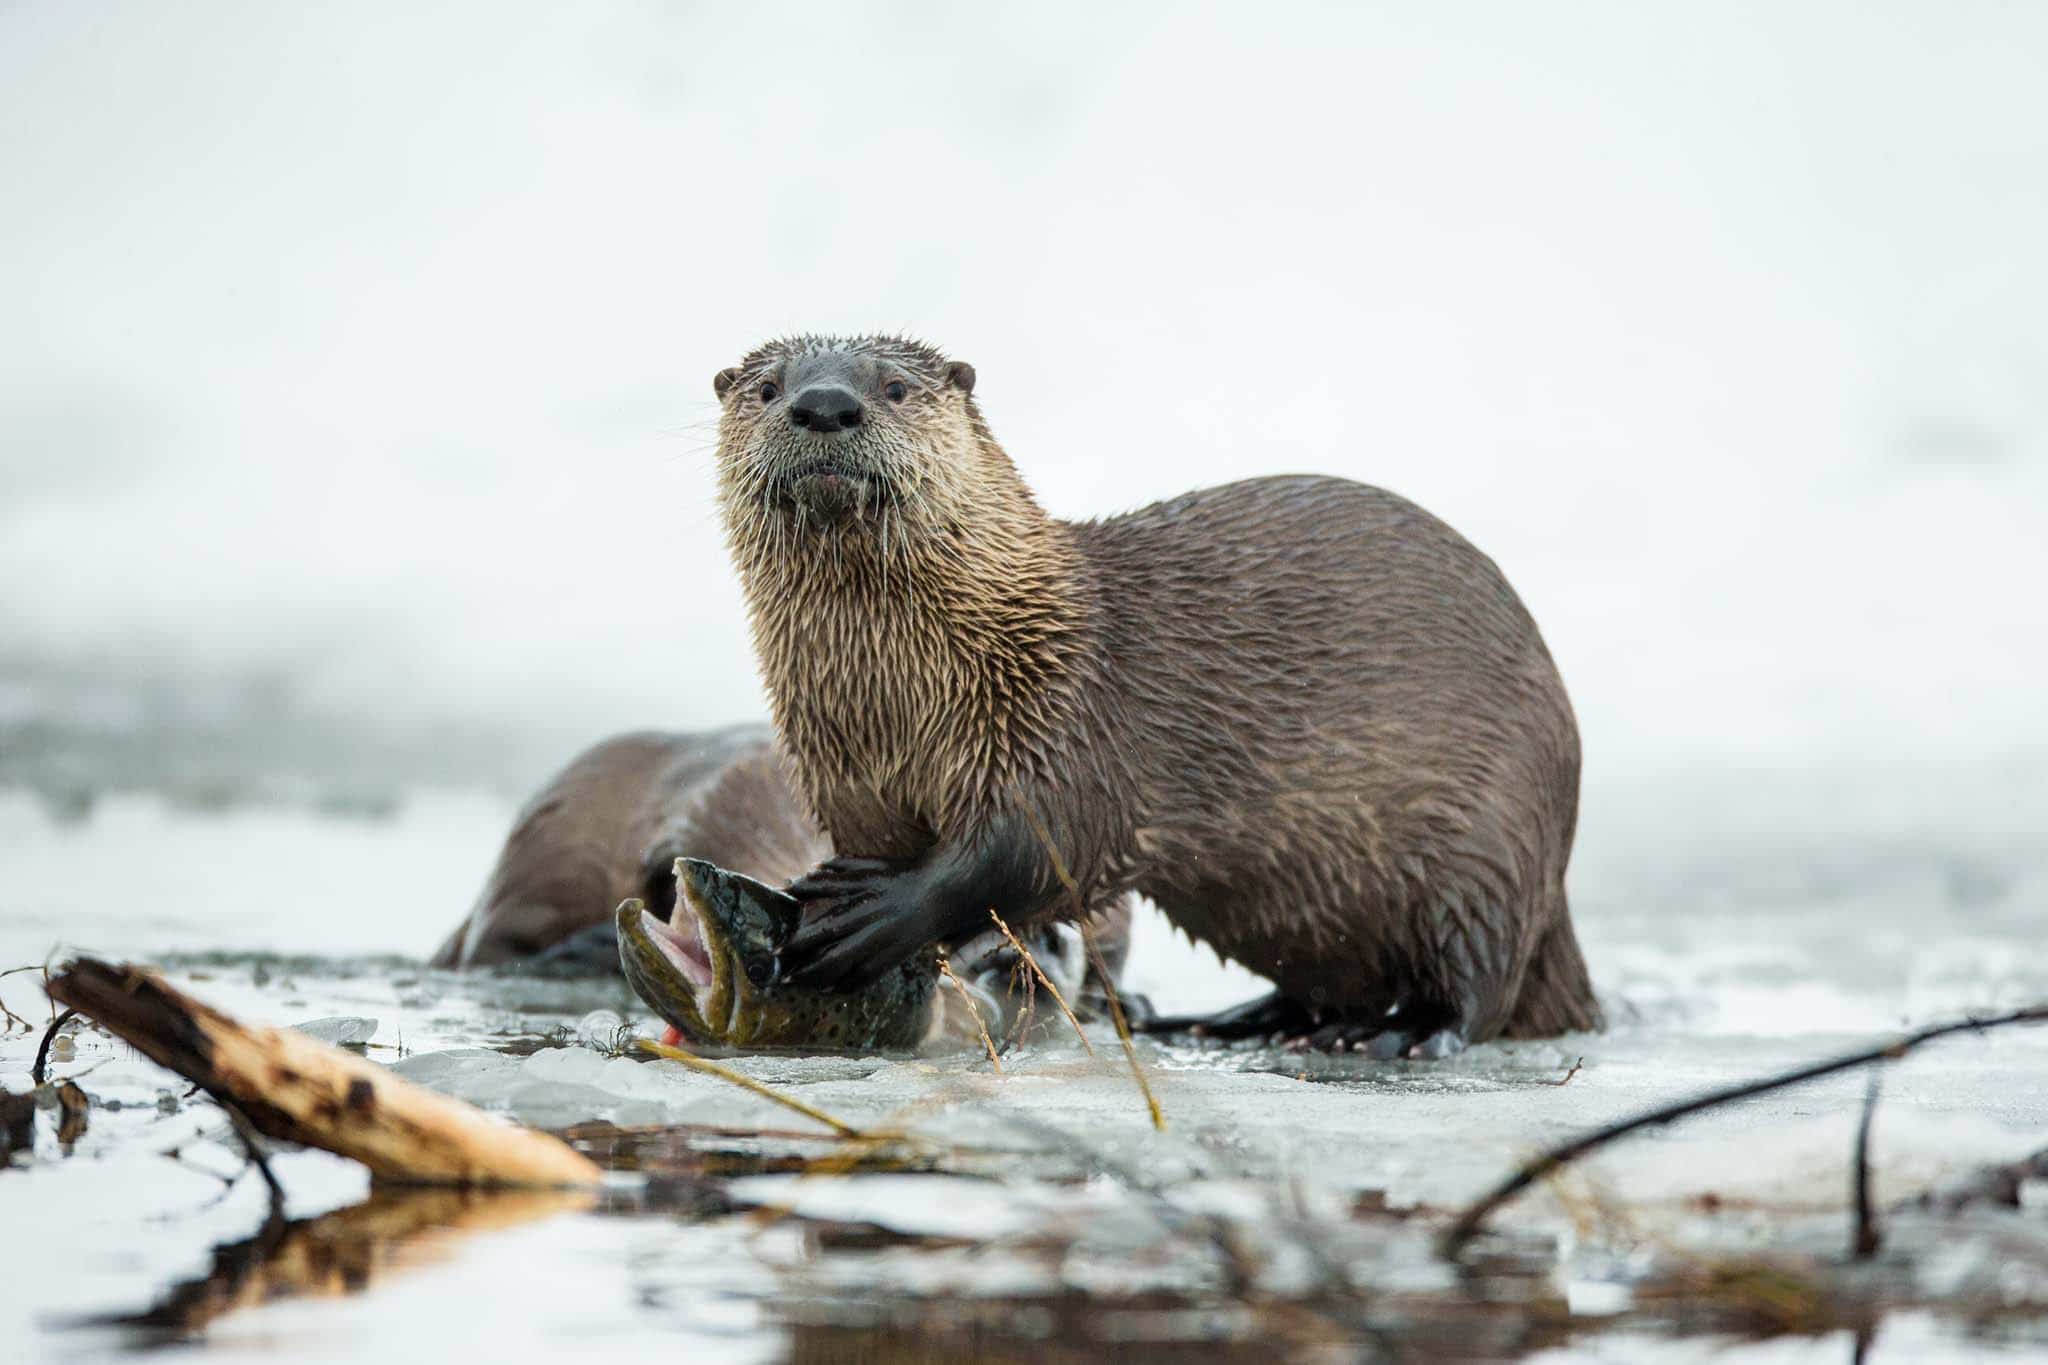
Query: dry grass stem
[
  {"x": 1022, "y": 978},
  {"x": 1116, "y": 1005},
  {"x": 1043, "y": 979},
  {"x": 745, "y": 1082},
  {"x": 946, "y": 970},
  {"x": 1123, "y": 1029}
]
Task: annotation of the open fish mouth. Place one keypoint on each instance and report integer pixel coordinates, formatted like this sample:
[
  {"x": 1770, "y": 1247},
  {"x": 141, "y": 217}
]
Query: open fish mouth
[
  {"x": 684, "y": 950},
  {"x": 709, "y": 972},
  {"x": 684, "y": 967}
]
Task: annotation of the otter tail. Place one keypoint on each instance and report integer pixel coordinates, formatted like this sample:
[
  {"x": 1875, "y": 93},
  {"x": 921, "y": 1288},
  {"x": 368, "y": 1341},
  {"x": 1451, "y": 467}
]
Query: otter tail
[{"x": 1557, "y": 993}]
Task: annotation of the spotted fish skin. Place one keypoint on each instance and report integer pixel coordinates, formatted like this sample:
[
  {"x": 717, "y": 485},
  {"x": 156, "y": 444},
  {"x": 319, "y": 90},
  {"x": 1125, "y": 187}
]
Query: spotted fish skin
[{"x": 710, "y": 973}]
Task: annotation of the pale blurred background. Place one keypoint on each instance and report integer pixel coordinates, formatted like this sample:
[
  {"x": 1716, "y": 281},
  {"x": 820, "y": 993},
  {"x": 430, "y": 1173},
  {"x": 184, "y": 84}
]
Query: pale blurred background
[{"x": 355, "y": 404}]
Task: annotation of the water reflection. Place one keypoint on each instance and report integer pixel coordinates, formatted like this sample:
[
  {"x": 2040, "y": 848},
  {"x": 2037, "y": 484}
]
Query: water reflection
[{"x": 346, "y": 1251}]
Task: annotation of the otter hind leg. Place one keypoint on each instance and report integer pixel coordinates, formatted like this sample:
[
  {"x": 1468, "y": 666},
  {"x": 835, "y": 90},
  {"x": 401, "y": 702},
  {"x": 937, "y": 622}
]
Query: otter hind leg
[
  {"x": 1557, "y": 991},
  {"x": 1429, "y": 969}
]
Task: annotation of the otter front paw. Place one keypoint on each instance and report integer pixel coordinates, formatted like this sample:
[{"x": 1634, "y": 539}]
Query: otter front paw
[
  {"x": 862, "y": 917},
  {"x": 839, "y": 877}
]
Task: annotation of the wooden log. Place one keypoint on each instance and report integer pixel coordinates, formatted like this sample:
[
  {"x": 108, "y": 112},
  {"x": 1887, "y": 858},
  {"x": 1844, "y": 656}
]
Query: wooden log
[{"x": 299, "y": 1089}]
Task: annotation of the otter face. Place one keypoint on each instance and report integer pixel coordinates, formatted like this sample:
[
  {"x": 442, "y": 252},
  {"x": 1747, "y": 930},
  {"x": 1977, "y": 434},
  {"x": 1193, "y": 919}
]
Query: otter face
[{"x": 834, "y": 433}]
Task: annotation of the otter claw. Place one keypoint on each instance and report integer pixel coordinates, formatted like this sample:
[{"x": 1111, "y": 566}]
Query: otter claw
[
  {"x": 854, "y": 930},
  {"x": 1443, "y": 1043},
  {"x": 1395, "y": 1044},
  {"x": 1382, "y": 1045}
]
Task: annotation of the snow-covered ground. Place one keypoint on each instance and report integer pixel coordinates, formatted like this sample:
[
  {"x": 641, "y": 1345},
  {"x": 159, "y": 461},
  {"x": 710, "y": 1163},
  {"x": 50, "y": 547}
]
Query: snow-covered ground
[{"x": 1739, "y": 925}]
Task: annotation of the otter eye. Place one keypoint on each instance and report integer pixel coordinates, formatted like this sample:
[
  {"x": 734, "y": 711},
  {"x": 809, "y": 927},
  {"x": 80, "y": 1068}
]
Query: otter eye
[
  {"x": 895, "y": 391},
  {"x": 768, "y": 392}
]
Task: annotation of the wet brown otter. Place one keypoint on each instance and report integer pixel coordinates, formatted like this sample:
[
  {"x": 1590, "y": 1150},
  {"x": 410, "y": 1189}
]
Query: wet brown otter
[
  {"x": 610, "y": 826},
  {"x": 1305, "y": 717}
]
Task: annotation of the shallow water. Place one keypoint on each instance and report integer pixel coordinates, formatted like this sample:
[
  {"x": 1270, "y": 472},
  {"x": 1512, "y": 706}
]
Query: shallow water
[{"x": 1737, "y": 923}]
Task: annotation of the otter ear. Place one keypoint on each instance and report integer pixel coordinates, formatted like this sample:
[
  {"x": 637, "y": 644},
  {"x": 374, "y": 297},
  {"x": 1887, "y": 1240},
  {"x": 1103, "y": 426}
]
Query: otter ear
[
  {"x": 961, "y": 375},
  {"x": 722, "y": 382}
]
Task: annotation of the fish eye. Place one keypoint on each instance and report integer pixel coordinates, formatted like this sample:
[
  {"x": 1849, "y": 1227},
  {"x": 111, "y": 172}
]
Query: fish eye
[
  {"x": 895, "y": 391},
  {"x": 768, "y": 393}
]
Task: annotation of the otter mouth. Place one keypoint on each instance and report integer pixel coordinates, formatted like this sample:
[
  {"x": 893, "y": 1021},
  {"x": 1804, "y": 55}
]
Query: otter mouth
[{"x": 833, "y": 488}]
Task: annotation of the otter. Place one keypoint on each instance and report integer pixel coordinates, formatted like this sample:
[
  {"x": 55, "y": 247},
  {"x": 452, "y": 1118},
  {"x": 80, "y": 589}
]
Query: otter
[
  {"x": 1306, "y": 718},
  {"x": 611, "y": 826}
]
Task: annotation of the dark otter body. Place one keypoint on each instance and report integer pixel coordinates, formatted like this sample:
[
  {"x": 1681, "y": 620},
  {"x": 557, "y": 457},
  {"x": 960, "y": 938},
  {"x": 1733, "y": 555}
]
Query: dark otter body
[
  {"x": 611, "y": 825},
  {"x": 1308, "y": 719}
]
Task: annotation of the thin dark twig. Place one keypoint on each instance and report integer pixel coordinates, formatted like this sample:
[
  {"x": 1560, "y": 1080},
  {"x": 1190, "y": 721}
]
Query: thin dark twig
[
  {"x": 253, "y": 1146},
  {"x": 1566, "y": 1079},
  {"x": 8, "y": 1015},
  {"x": 36, "y": 1072},
  {"x": 1868, "y": 1235},
  {"x": 1469, "y": 1221}
]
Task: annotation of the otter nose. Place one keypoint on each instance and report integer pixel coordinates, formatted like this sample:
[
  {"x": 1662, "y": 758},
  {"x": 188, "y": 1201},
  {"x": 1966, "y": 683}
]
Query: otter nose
[{"x": 825, "y": 407}]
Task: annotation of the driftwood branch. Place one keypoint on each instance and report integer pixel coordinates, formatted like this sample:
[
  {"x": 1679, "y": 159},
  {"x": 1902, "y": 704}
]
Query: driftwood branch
[
  {"x": 298, "y": 1089},
  {"x": 1475, "y": 1216}
]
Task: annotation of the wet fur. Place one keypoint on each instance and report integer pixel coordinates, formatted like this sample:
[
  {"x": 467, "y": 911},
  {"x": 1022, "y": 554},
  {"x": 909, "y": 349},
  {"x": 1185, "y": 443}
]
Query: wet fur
[
  {"x": 1304, "y": 716},
  {"x": 611, "y": 824}
]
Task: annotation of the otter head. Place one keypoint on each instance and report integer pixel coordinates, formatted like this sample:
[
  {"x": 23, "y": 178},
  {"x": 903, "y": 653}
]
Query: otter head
[
  {"x": 895, "y": 566},
  {"x": 834, "y": 435}
]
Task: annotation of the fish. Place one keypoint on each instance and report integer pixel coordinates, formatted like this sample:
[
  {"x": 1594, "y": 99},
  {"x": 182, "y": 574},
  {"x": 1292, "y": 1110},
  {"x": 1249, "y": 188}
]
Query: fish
[{"x": 709, "y": 971}]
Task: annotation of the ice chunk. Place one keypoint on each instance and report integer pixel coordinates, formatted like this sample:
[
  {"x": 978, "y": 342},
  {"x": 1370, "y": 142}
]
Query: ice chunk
[
  {"x": 342, "y": 1030},
  {"x": 917, "y": 1205},
  {"x": 569, "y": 1065},
  {"x": 601, "y": 1029},
  {"x": 453, "y": 1071}
]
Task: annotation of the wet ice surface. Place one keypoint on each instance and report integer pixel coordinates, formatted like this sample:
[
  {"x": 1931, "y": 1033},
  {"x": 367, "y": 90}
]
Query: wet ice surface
[{"x": 1741, "y": 928}]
